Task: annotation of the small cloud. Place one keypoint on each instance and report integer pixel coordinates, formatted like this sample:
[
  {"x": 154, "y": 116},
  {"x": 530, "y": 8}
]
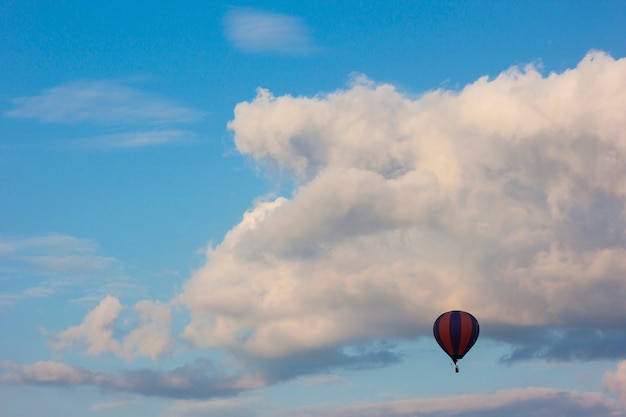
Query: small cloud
[
  {"x": 263, "y": 32},
  {"x": 96, "y": 331},
  {"x": 46, "y": 373},
  {"x": 615, "y": 381},
  {"x": 150, "y": 337}
]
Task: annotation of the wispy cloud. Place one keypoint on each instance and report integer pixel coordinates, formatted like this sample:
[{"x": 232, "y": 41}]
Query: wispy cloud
[
  {"x": 139, "y": 119},
  {"x": 131, "y": 140},
  {"x": 101, "y": 102},
  {"x": 8, "y": 300},
  {"x": 44, "y": 265},
  {"x": 229, "y": 407},
  {"x": 521, "y": 402},
  {"x": 51, "y": 254},
  {"x": 264, "y": 32}
]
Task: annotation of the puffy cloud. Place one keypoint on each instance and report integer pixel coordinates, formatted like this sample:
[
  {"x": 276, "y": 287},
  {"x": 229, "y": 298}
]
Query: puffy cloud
[
  {"x": 505, "y": 198},
  {"x": 150, "y": 336},
  {"x": 257, "y": 31},
  {"x": 96, "y": 330}
]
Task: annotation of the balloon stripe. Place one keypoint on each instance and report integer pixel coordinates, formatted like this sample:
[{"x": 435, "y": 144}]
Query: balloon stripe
[
  {"x": 436, "y": 331},
  {"x": 455, "y": 329},
  {"x": 475, "y": 331},
  {"x": 467, "y": 330},
  {"x": 444, "y": 334}
]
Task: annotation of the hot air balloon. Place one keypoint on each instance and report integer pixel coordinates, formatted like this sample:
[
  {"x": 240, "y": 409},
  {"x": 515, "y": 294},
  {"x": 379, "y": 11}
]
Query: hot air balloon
[{"x": 456, "y": 332}]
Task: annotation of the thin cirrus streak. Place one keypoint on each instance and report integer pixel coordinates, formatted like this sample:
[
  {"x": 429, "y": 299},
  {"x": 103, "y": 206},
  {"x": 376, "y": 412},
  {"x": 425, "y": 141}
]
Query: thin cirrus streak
[{"x": 100, "y": 102}]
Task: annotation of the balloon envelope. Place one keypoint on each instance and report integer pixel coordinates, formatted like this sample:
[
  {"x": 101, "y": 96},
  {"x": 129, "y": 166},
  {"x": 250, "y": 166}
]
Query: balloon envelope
[{"x": 456, "y": 332}]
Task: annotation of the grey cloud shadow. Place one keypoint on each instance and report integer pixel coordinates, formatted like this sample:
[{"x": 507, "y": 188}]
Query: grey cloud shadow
[
  {"x": 558, "y": 344},
  {"x": 204, "y": 379},
  {"x": 366, "y": 356}
]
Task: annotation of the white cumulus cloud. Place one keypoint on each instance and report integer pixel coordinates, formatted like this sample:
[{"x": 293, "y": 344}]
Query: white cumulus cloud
[{"x": 505, "y": 199}]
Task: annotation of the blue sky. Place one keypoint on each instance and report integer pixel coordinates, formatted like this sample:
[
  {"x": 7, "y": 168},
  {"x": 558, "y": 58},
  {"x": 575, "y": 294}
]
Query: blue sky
[{"x": 260, "y": 208}]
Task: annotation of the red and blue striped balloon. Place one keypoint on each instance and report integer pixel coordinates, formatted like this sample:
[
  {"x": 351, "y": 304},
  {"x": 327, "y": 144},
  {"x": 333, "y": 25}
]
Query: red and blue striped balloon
[{"x": 456, "y": 332}]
